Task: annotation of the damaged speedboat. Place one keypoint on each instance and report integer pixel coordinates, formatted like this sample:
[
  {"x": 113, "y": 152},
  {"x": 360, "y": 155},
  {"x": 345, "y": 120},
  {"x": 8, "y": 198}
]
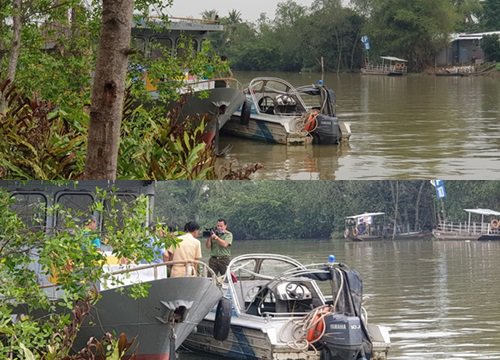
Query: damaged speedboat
[
  {"x": 275, "y": 111},
  {"x": 275, "y": 308}
]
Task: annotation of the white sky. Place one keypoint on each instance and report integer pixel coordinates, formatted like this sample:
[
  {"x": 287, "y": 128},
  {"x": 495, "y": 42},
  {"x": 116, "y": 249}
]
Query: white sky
[{"x": 250, "y": 9}]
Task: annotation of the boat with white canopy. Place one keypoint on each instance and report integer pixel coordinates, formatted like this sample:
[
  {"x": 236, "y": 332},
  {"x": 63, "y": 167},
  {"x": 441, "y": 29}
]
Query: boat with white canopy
[
  {"x": 487, "y": 228},
  {"x": 391, "y": 66},
  {"x": 363, "y": 227}
]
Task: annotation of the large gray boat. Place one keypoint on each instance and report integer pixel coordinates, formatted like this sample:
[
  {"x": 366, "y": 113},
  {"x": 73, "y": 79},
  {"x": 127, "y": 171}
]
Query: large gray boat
[
  {"x": 174, "y": 306},
  {"x": 161, "y": 321},
  {"x": 212, "y": 100}
]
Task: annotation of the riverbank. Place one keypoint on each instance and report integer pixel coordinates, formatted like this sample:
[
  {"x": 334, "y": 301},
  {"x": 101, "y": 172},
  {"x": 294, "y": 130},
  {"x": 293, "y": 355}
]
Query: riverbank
[{"x": 487, "y": 70}]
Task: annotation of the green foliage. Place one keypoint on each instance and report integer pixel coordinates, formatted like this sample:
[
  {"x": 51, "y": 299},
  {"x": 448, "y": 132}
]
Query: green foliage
[
  {"x": 299, "y": 36},
  {"x": 491, "y": 15},
  {"x": 46, "y": 139},
  {"x": 37, "y": 141},
  {"x": 295, "y": 209},
  {"x": 414, "y": 30},
  {"x": 67, "y": 257},
  {"x": 491, "y": 47}
]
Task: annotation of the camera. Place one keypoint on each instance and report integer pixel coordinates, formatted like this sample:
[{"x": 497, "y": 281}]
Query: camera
[{"x": 208, "y": 232}]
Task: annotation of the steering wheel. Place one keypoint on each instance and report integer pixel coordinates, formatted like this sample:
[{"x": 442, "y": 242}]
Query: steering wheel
[
  {"x": 295, "y": 291},
  {"x": 266, "y": 103}
]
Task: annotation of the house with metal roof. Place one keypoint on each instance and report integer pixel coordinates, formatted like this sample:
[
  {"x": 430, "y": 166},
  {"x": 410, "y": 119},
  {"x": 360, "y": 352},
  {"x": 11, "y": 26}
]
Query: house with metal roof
[{"x": 463, "y": 49}]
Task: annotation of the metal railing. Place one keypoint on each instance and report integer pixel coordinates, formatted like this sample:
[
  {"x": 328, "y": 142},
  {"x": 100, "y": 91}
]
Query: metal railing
[
  {"x": 159, "y": 271},
  {"x": 466, "y": 228}
]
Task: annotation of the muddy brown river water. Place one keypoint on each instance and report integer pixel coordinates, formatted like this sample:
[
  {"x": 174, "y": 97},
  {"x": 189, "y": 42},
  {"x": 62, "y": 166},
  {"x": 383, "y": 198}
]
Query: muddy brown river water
[
  {"x": 440, "y": 298},
  {"x": 419, "y": 126}
]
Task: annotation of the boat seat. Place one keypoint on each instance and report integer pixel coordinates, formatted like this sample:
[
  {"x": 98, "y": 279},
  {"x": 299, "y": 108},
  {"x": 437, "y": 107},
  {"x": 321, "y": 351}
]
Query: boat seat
[{"x": 252, "y": 294}]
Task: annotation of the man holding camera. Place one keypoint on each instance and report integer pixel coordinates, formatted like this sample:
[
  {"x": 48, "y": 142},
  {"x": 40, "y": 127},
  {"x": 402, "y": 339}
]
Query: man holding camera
[{"x": 219, "y": 242}]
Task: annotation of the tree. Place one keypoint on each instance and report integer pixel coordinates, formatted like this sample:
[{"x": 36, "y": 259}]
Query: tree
[
  {"x": 56, "y": 59},
  {"x": 109, "y": 90},
  {"x": 16, "y": 40},
  {"x": 468, "y": 13},
  {"x": 491, "y": 15},
  {"x": 415, "y": 30},
  {"x": 491, "y": 47}
]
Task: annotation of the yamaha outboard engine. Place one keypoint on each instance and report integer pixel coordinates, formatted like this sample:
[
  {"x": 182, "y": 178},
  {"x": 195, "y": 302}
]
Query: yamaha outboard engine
[
  {"x": 327, "y": 130},
  {"x": 343, "y": 338}
]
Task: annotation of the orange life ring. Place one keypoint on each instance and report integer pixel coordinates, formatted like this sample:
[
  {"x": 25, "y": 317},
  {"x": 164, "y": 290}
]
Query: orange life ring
[
  {"x": 494, "y": 224},
  {"x": 311, "y": 122},
  {"x": 355, "y": 232},
  {"x": 315, "y": 332}
]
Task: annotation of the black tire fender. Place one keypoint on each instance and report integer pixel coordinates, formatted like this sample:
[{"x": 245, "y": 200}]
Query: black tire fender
[
  {"x": 245, "y": 112},
  {"x": 222, "y": 322}
]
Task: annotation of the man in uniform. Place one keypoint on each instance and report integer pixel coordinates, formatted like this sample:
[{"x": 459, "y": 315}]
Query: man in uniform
[{"x": 219, "y": 243}]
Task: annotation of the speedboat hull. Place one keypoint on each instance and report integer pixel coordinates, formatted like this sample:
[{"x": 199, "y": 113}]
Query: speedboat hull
[
  {"x": 274, "y": 309},
  {"x": 160, "y": 322},
  {"x": 274, "y": 130},
  {"x": 276, "y": 112}
]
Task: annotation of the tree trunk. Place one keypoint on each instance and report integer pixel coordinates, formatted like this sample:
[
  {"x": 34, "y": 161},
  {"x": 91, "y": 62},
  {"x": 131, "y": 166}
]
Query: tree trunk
[
  {"x": 14, "y": 49},
  {"x": 417, "y": 206},
  {"x": 16, "y": 40},
  {"x": 109, "y": 90},
  {"x": 353, "y": 50},
  {"x": 396, "y": 206}
]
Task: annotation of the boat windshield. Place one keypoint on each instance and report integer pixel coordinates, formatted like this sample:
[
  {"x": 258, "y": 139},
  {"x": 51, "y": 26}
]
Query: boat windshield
[{"x": 276, "y": 96}]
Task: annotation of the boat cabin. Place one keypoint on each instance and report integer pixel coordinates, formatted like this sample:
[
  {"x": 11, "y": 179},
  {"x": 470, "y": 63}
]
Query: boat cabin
[
  {"x": 152, "y": 43},
  {"x": 260, "y": 291},
  {"x": 32, "y": 199},
  {"x": 274, "y": 96},
  {"x": 364, "y": 227}
]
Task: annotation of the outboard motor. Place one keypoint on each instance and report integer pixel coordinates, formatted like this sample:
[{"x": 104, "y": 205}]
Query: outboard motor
[
  {"x": 327, "y": 129},
  {"x": 343, "y": 338}
]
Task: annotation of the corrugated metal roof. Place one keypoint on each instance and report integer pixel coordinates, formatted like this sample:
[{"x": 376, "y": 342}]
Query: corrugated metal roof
[
  {"x": 483, "y": 212},
  {"x": 392, "y": 58},
  {"x": 364, "y": 215}
]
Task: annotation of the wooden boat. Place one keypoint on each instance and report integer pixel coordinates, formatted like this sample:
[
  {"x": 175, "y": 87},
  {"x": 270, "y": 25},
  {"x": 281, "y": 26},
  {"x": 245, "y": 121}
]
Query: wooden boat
[
  {"x": 276, "y": 112},
  {"x": 488, "y": 228},
  {"x": 275, "y": 308},
  {"x": 366, "y": 227},
  {"x": 393, "y": 67},
  {"x": 362, "y": 227}
]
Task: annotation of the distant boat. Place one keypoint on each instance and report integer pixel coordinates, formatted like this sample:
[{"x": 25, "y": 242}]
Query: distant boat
[
  {"x": 362, "y": 227},
  {"x": 391, "y": 66},
  {"x": 487, "y": 229},
  {"x": 275, "y": 112},
  {"x": 365, "y": 227}
]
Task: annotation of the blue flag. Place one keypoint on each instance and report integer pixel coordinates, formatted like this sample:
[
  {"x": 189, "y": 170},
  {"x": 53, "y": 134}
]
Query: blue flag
[
  {"x": 366, "y": 42},
  {"x": 440, "y": 189}
]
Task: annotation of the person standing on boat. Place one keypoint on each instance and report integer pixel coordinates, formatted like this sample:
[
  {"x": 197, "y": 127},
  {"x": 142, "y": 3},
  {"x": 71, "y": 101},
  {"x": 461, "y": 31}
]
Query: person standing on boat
[
  {"x": 90, "y": 231},
  {"x": 188, "y": 250},
  {"x": 219, "y": 243}
]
